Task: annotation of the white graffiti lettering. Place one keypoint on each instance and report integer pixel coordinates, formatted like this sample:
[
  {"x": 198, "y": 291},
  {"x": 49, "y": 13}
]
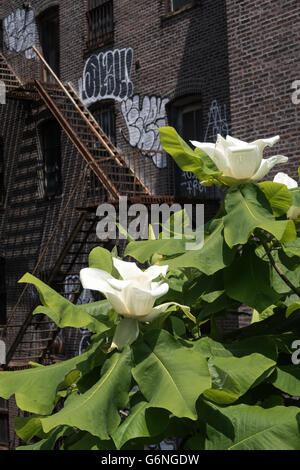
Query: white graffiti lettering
[
  {"x": 20, "y": 31},
  {"x": 143, "y": 118},
  {"x": 107, "y": 76}
]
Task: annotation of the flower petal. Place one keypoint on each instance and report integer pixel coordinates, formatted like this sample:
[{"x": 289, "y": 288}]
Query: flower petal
[
  {"x": 128, "y": 271},
  {"x": 156, "y": 311},
  {"x": 127, "y": 332},
  {"x": 118, "y": 285},
  {"x": 267, "y": 165},
  {"x": 263, "y": 143},
  {"x": 283, "y": 178},
  {"x": 95, "y": 279},
  {"x": 159, "y": 289},
  {"x": 221, "y": 157},
  {"x": 154, "y": 271},
  {"x": 236, "y": 142},
  {"x": 209, "y": 149},
  {"x": 116, "y": 300},
  {"x": 139, "y": 302},
  {"x": 243, "y": 161}
]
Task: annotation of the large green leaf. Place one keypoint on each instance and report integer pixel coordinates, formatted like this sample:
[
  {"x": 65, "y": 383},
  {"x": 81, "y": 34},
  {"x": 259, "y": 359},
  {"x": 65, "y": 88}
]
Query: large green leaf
[
  {"x": 49, "y": 442},
  {"x": 63, "y": 312},
  {"x": 236, "y": 367},
  {"x": 278, "y": 196},
  {"x": 287, "y": 379},
  {"x": 247, "y": 209},
  {"x": 144, "y": 250},
  {"x": 165, "y": 370},
  {"x": 97, "y": 410},
  {"x": 186, "y": 158},
  {"x": 100, "y": 258},
  {"x": 212, "y": 257},
  {"x": 248, "y": 280},
  {"x": 234, "y": 376},
  {"x": 142, "y": 422},
  {"x": 35, "y": 389},
  {"x": 243, "y": 427}
]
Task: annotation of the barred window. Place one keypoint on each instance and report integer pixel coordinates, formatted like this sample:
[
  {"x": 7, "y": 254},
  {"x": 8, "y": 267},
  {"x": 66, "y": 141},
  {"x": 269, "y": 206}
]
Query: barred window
[
  {"x": 100, "y": 17},
  {"x": 105, "y": 116},
  {"x": 50, "y": 136},
  {"x": 178, "y": 4}
]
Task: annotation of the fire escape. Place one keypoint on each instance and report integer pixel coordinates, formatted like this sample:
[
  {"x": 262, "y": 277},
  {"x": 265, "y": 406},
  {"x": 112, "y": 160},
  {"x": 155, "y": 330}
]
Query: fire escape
[{"x": 107, "y": 175}]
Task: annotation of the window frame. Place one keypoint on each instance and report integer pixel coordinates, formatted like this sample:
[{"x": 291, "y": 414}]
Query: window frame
[
  {"x": 101, "y": 107},
  {"x": 95, "y": 37},
  {"x": 188, "y": 4}
]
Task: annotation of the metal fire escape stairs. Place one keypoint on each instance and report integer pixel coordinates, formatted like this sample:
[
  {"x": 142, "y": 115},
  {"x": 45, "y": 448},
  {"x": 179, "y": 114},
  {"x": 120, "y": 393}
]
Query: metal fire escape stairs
[{"x": 112, "y": 171}]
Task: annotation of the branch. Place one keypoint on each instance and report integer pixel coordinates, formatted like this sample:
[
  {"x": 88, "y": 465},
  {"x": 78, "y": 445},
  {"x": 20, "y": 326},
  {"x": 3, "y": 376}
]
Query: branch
[{"x": 278, "y": 270}]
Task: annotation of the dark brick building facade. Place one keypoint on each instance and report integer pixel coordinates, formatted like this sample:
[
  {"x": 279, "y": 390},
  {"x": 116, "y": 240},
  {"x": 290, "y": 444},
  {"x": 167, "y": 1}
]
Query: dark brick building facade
[
  {"x": 203, "y": 66},
  {"x": 136, "y": 66}
]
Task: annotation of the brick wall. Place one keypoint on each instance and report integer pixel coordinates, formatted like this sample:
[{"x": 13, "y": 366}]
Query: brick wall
[{"x": 264, "y": 50}]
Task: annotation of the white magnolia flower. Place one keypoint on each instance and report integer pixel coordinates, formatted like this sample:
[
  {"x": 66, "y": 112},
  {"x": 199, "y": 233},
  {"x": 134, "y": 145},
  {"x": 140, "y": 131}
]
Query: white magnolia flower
[
  {"x": 133, "y": 297},
  {"x": 239, "y": 161},
  {"x": 294, "y": 211}
]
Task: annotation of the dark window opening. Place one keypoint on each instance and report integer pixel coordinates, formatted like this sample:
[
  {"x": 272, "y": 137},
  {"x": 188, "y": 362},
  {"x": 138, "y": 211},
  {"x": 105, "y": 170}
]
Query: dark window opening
[
  {"x": 50, "y": 136},
  {"x": 100, "y": 17},
  {"x": 105, "y": 116},
  {"x": 4, "y": 436},
  {"x": 178, "y": 4},
  {"x": 2, "y": 293},
  {"x": 2, "y": 187},
  {"x": 49, "y": 36}
]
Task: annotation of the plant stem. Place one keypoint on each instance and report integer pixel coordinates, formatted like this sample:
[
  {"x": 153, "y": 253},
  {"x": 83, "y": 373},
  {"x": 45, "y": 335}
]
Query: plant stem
[{"x": 278, "y": 270}]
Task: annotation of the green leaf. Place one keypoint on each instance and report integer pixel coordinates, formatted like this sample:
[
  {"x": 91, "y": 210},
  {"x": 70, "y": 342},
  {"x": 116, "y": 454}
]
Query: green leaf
[
  {"x": 49, "y": 443},
  {"x": 97, "y": 410},
  {"x": 287, "y": 379},
  {"x": 294, "y": 307},
  {"x": 100, "y": 258},
  {"x": 81, "y": 440},
  {"x": 248, "y": 281},
  {"x": 212, "y": 257},
  {"x": 144, "y": 250},
  {"x": 247, "y": 209},
  {"x": 35, "y": 389},
  {"x": 292, "y": 249},
  {"x": 243, "y": 427},
  {"x": 165, "y": 370},
  {"x": 142, "y": 422},
  {"x": 278, "y": 196},
  {"x": 27, "y": 428},
  {"x": 234, "y": 376},
  {"x": 186, "y": 158},
  {"x": 63, "y": 312}
]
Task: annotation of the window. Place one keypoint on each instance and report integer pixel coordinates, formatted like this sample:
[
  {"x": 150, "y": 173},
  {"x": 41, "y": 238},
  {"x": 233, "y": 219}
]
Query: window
[
  {"x": 4, "y": 438},
  {"x": 2, "y": 189},
  {"x": 178, "y": 4},
  {"x": 50, "y": 137},
  {"x": 2, "y": 293},
  {"x": 48, "y": 23},
  {"x": 1, "y": 36},
  {"x": 105, "y": 116},
  {"x": 100, "y": 17}
]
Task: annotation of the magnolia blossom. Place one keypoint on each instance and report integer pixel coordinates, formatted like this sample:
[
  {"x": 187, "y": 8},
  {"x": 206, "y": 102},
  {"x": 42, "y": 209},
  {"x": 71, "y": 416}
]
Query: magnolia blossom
[
  {"x": 133, "y": 297},
  {"x": 239, "y": 161},
  {"x": 294, "y": 211}
]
